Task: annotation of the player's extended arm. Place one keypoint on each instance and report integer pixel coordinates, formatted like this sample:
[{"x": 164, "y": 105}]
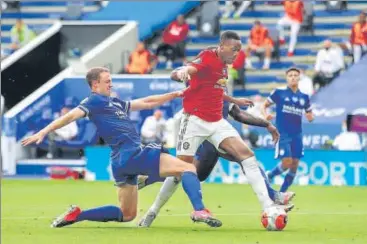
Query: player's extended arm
[
  {"x": 310, "y": 117},
  {"x": 249, "y": 119},
  {"x": 264, "y": 107},
  {"x": 153, "y": 101},
  {"x": 71, "y": 116},
  {"x": 183, "y": 73},
  {"x": 238, "y": 101}
]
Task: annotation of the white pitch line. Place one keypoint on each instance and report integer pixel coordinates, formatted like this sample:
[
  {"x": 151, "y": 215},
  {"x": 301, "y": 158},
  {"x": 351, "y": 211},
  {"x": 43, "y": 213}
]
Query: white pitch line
[{"x": 219, "y": 214}]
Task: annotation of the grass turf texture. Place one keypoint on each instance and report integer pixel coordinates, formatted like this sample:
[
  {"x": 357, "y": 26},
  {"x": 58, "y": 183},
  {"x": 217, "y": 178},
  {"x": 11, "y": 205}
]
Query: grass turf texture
[{"x": 322, "y": 215}]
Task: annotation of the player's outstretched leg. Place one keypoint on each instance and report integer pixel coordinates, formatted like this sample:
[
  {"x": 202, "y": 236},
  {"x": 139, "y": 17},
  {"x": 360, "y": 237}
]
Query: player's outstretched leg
[
  {"x": 127, "y": 211},
  {"x": 74, "y": 214},
  {"x": 171, "y": 166}
]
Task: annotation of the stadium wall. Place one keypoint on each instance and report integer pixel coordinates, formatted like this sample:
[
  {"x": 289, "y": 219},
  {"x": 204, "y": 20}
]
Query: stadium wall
[{"x": 318, "y": 167}]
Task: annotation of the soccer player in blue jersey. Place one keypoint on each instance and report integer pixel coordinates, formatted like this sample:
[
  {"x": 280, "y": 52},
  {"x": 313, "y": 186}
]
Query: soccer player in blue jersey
[
  {"x": 205, "y": 160},
  {"x": 290, "y": 103},
  {"x": 129, "y": 158}
]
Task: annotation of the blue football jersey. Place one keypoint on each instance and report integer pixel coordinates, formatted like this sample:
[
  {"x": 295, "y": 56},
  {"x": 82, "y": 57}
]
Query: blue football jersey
[
  {"x": 289, "y": 109},
  {"x": 110, "y": 115}
]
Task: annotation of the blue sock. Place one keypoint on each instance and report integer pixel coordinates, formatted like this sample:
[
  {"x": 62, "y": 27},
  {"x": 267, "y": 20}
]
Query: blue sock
[
  {"x": 192, "y": 187},
  {"x": 276, "y": 171},
  {"x": 288, "y": 180},
  {"x": 101, "y": 214},
  {"x": 271, "y": 191}
]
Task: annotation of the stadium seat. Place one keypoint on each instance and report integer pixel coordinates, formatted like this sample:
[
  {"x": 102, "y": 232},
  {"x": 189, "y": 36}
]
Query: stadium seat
[{"x": 86, "y": 136}]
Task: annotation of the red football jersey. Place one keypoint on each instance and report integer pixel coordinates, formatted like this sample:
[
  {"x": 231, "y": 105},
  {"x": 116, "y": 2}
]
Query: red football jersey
[{"x": 204, "y": 97}]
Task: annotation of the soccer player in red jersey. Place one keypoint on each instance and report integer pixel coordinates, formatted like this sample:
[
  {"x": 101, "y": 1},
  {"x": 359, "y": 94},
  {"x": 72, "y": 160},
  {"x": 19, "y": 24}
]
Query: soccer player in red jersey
[{"x": 203, "y": 120}]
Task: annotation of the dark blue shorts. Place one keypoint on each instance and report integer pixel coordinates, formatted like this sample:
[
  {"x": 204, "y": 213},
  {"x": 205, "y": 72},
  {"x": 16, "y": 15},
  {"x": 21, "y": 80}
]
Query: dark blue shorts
[
  {"x": 289, "y": 146},
  {"x": 139, "y": 161}
]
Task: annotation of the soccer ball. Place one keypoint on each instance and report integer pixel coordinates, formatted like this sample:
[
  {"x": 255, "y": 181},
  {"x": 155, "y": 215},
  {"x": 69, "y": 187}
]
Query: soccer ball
[{"x": 274, "y": 219}]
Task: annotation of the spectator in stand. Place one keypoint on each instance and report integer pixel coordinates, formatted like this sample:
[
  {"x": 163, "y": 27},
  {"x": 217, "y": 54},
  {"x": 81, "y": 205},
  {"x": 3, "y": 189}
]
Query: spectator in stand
[
  {"x": 329, "y": 64},
  {"x": 153, "y": 128},
  {"x": 20, "y": 35},
  {"x": 174, "y": 41},
  {"x": 293, "y": 17},
  {"x": 230, "y": 6},
  {"x": 260, "y": 42},
  {"x": 141, "y": 61},
  {"x": 347, "y": 140},
  {"x": 358, "y": 37}
]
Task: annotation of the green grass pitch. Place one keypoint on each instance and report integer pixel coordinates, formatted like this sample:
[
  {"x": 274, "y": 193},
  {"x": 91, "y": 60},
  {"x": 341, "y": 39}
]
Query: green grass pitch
[{"x": 321, "y": 215}]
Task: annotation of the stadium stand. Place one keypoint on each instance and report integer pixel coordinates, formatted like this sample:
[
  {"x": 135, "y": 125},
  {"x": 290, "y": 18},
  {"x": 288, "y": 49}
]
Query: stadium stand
[
  {"x": 333, "y": 25},
  {"x": 38, "y": 15}
]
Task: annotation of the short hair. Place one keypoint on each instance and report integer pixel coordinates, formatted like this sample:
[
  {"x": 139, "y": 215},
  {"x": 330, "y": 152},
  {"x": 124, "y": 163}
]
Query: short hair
[
  {"x": 93, "y": 74},
  {"x": 293, "y": 69},
  {"x": 229, "y": 35}
]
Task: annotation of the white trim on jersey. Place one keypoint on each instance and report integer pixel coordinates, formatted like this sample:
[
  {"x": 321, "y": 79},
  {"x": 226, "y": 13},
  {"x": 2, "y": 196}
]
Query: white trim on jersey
[
  {"x": 270, "y": 100},
  {"x": 276, "y": 150},
  {"x": 85, "y": 110},
  {"x": 154, "y": 145}
]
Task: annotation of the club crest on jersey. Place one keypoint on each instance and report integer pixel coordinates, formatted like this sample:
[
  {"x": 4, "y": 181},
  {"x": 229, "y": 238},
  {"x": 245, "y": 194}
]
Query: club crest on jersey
[
  {"x": 302, "y": 101},
  {"x": 222, "y": 82},
  {"x": 186, "y": 145},
  {"x": 197, "y": 61},
  {"x": 121, "y": 114}
]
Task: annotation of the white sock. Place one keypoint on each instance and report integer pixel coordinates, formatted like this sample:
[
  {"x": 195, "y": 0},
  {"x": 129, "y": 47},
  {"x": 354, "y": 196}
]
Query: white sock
[
  {"x": 168, "y": 188},
  {"x": 266, "y": 63},
  {"x": 256, "y": 180}
]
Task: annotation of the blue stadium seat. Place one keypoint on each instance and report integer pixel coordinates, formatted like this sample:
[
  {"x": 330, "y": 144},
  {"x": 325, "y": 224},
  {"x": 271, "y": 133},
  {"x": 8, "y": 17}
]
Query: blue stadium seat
[{"x": 87, "y": 135}]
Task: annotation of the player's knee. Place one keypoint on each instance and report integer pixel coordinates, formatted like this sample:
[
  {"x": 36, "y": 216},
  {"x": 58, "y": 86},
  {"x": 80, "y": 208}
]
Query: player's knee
[
  {"x": 244, "y": 153},
  {"x": 187, "y": 159},
  {"x": 202, "y": 176},
  {"x": 287, "y": 163}
]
